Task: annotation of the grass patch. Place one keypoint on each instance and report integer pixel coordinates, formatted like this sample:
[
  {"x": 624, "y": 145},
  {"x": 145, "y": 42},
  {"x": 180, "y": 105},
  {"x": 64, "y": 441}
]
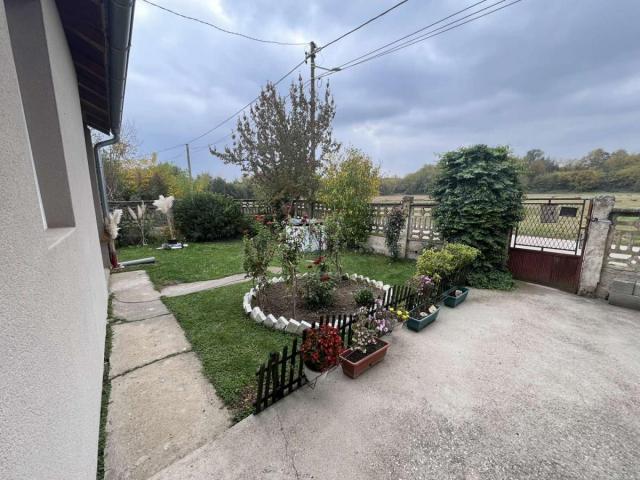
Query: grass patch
[
  {"x": 197, "y": 262},
  {"x": 208, "y": 261},
  {"x": 379, "y": 267},
  {"x": 104, "y": 403},
  {"x": 230, "y": 345}
]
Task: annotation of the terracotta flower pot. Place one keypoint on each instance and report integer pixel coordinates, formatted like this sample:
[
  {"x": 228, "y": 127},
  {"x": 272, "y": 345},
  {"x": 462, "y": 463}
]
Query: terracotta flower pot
[{"x": 355, "y": 369}]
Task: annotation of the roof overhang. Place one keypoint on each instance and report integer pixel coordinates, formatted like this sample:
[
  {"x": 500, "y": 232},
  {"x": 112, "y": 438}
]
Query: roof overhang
[{"x": 99, "y": 36}]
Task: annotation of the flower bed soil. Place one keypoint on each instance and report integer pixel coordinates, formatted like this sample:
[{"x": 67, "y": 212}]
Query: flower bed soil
[{"x": 277, "y": 301}]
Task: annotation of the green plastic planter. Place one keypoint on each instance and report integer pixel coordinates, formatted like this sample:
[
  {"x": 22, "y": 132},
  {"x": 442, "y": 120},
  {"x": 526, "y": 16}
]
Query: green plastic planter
[
  {"x": 417, "y": 323},
  {"x": 453, "y": 301}
]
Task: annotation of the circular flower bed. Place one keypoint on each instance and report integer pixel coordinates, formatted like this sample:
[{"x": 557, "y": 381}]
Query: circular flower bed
[{"x": 276, "y": 314}]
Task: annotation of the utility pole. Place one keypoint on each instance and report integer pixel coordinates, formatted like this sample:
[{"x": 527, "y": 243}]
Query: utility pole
[
  {"x": 312, "y": 64},
  {"x": 186, "y": 145}
]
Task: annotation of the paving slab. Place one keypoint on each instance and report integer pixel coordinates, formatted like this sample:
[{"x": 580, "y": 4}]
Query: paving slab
[
  {"x": 139, "y": 343},
  {"x": 133, "y": 311},
  {"x": 534, "y": 383},
  {"x": 121, "y": 282},
  {"x": 132, "y": 287},
  {"x": 187, "y": 288},
  {"x": 158, "y": 414}
]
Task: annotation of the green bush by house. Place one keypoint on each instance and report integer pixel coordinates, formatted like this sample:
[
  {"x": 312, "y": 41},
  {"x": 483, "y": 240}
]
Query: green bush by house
[{"x": 204, "y": 217}]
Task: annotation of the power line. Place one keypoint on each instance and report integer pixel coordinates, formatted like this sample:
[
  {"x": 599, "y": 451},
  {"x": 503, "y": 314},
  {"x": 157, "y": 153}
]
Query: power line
[
  {"x": 420, "y": 38},
  {"x": 418, "y": 31},
  {"x": 230, "y": 32},
  {"x": 361, "y": 25},
  {"x": 456, "y": 23},
  {"x": 231, "y": 117}
]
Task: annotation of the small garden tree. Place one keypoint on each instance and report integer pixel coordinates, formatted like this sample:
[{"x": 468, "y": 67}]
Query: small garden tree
[
  {"x": 291, "y": 251},
  {"x": 349, "y": 185},
  {"x": 283, "y": 143},
  {"x": 334, "y": 241},
  {"x": 395, "y": 222},
  {"x": 480, "y": 198},
  {"x": 259, "y": 250}
]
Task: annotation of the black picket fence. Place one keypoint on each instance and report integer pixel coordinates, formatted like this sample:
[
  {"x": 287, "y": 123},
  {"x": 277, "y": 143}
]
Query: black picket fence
[{"x": 283, "y": 373}]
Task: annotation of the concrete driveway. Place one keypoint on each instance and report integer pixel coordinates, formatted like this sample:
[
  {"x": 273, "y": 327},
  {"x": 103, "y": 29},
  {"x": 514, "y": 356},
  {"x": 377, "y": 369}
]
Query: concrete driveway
[{"x": 534, "y": 383}]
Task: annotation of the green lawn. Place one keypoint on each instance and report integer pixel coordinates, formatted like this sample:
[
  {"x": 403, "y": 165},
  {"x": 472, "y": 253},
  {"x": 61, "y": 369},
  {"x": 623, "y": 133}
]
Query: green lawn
[
  {"x": 230, "y": 345},
  {"x": 379, "y": 267},
  {"x": 207, "y": 261},
  {"x": 199, "y": 261}
]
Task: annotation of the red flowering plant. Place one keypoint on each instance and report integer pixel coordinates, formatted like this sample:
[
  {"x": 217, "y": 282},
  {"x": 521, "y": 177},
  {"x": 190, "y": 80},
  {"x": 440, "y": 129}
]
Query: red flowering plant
[
  {"x": 266, "y": 220},
  {"x": 321, "y": 348}
]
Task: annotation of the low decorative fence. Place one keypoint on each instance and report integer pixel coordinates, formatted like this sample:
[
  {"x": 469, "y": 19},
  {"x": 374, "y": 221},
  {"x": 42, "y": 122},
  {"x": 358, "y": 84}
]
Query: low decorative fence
[
  {"x": 283, "y": 372},
  {"x": 281, "y": 375}
]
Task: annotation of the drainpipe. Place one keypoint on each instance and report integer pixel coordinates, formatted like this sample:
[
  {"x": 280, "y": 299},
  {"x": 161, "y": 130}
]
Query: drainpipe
[
  {"x": 120, "y": 18},
  {"x": 102, "y": 190}
]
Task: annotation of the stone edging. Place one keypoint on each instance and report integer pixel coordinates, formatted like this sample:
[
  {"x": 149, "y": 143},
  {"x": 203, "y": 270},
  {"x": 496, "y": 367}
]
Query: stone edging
[{"x": 291, "y": 325}]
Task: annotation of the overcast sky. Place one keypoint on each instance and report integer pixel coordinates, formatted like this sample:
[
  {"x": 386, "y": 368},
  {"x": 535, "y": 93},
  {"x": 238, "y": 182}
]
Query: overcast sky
[{"x": 560, "y": 75}]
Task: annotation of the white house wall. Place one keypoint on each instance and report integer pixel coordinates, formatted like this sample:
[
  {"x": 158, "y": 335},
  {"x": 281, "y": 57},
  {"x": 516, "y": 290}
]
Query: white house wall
[{"x": 53, "y": 294}]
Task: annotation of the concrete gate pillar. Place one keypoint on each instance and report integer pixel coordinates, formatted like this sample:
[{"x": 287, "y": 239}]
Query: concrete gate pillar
[
  {"x": 595, "y": 249},
  {"x": 407, "y": 202}
]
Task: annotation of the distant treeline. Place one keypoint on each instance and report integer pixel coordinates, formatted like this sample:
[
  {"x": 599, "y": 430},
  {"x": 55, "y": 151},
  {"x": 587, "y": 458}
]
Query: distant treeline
[{"x": 597, "y": 171}]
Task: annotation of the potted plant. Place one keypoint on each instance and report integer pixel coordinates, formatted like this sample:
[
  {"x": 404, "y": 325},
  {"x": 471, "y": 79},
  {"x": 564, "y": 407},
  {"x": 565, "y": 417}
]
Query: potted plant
[
  {"x": 367, "y": 348},
  {"x": 456, "y": 296},
  {"x": 321, "y": 348},
  {"x": 426, "y": 312},
  {"x": 419, "y": 319}
]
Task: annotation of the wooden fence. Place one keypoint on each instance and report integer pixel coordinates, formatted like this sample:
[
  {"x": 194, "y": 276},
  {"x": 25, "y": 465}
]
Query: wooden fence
[{"x": 281, "y": 375}]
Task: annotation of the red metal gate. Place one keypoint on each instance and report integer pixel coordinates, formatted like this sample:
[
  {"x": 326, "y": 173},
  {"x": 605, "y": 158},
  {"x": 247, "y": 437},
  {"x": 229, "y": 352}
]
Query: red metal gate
[{"x": 548, "y": 244}]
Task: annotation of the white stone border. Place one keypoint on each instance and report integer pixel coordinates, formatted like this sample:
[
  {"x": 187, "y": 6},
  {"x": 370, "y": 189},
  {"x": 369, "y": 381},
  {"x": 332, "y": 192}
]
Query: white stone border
[{"x": 291, "y": 325}]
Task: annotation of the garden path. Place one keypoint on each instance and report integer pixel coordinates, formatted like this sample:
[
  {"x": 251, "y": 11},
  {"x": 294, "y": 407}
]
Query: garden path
[
  {"x": 193, "y": 287},
  {"x": 161, "y": 406}
]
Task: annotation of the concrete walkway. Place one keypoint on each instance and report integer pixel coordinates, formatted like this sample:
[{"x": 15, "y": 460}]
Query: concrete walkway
[
  {"x": 534, "y": 383},
  {"x": 161, "y": 406},
  {"x": 193, "y": 287}
]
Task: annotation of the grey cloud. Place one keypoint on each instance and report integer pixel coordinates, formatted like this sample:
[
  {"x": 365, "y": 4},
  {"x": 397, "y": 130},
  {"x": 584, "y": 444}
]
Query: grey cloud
[{"x": 561, "y": 76}]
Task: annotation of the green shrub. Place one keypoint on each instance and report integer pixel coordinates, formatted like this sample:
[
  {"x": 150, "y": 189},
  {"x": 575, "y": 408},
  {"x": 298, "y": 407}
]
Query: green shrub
[
  {"x": 495, "y": 280},
  {"x": 446, "y": 262},
  {"x": 392, "y": 229},
  {"x": 204, "y": 217},
  {"x": 318, "y": 290},
  {"x": 364, "y": 297},
  {"x": 479, "y": 198}
]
